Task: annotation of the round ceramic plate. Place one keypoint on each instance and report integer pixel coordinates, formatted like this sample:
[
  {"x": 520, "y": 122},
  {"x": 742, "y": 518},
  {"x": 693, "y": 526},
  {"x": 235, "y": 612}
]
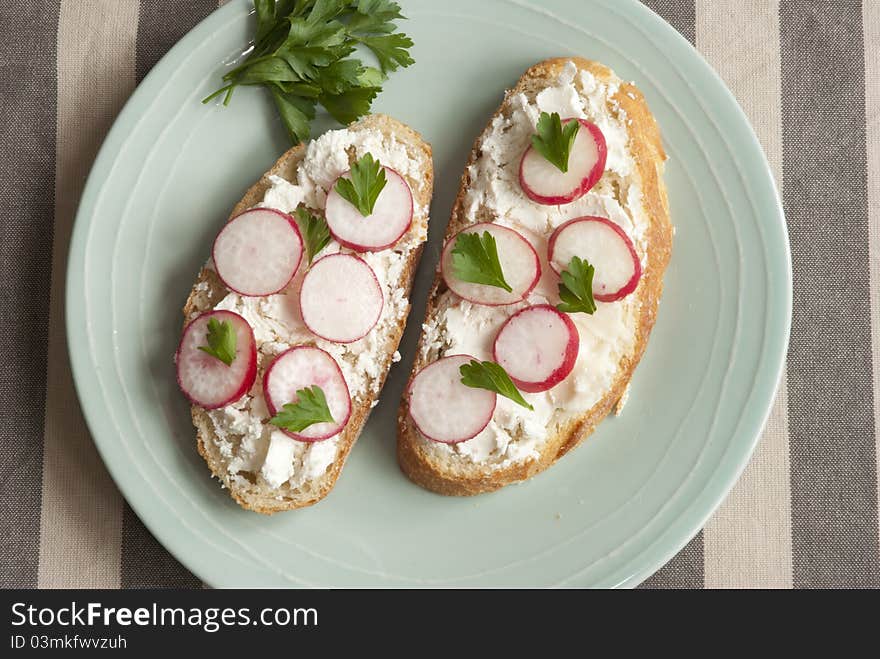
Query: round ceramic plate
[{"x": 611, "y": 512}]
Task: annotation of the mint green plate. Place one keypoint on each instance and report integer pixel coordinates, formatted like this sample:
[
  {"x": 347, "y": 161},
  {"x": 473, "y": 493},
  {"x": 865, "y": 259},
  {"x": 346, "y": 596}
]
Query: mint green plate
[{"x": 610, "y": 513}]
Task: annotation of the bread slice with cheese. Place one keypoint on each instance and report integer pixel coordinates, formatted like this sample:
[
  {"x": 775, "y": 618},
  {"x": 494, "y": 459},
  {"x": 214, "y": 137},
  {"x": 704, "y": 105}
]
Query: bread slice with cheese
[
  {"x": 262, "y": 469},
  {"x": 517, "y": 443}
]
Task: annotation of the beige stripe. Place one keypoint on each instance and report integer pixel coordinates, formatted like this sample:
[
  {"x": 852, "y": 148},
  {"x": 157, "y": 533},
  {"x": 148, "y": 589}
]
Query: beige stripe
[
  {"x": 871, "y": 23},
  {"x": 81, "y": 517},
  {"x": 747, "y": 543}
]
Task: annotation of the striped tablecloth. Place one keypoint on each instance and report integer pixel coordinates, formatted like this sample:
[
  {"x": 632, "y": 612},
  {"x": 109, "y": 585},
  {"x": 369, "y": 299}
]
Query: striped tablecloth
[{"x": 806, "y": 72}]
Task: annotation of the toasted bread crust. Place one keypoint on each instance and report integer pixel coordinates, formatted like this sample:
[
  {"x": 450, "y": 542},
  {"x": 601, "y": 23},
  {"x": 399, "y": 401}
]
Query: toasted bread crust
[
  {"x": 262, "y": 500},
  {"x": 646, "y": 146}
]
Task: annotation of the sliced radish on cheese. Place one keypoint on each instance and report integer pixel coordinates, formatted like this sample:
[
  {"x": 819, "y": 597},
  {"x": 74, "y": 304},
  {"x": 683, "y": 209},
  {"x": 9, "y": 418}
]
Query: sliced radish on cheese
[
  {"x": 340, "y": 299},
  {"x": 206, "y": 380},
  {"x": 544, "y": 183},
  {"x": 445, "y": 410},
  {"x": 538, "y": 347},
  {"x": 302, "y": 367},
  {"x": 390, "y": 219},
  {"x": 258, "y": 252},
  {"x": 519, "y": 263},
  {"x": 608, "y": 249}
]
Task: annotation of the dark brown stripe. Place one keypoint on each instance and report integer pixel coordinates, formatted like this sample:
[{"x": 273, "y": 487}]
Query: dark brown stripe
[
  {"x": 28, "y": 93},
  {"x": 830, "y": 409},
  {"x": 145, "y": 563},
  {"x": 163, "y": 24},
  {"x": 686, "y": 569},
  {"x": 680, "y": 14}
]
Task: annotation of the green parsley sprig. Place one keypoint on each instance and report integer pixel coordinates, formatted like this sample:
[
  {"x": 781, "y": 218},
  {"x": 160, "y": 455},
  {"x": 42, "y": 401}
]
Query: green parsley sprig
[
  {"x": 221, "y": 341},
  {"x": 310, "y": 408},
  {"x": 366, "y": 182},
  {"x": 489, "y": 375},
  {"x": 301, "y": 53},
  {"x": 314, "y": 230},
  {"x": 576, "y": 287},
  {"x": 554, "y": 141},
  {"x": 475, "y": 260}
]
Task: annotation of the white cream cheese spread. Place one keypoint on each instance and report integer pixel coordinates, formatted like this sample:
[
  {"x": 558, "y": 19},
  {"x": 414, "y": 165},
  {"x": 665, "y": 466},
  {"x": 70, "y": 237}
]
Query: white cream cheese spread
[
  {"x": 242, "y": 430},
  {"x": 461, "y": 327}
]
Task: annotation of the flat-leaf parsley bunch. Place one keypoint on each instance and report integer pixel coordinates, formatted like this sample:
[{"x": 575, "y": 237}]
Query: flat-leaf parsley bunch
[{"x": 301, "y": 54}]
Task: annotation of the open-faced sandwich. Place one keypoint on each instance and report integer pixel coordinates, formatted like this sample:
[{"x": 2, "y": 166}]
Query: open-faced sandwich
[
  {"x": 548, "y": 284},
  {"x": 292, "y": 325}
]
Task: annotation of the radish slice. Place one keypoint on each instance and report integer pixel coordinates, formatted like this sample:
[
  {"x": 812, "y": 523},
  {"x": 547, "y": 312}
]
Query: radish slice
[
  {"x": 538, "y": 347},
  {"x": 542, "y": 181},
  {"x": 340, "y": 299},
  {"x": 390, "y": 219},
  {"x": 519, "y": 263},
  {"x": 204, "y": 379},
  {"x": 444, "y": 409},
  {"x": 258, "y": 252},
  {"x": 608, "y": 249},
  {"x": 301, "y": 367}
]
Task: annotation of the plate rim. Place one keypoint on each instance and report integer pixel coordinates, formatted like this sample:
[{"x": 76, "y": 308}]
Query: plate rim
[{"x": 698, "y": 521}]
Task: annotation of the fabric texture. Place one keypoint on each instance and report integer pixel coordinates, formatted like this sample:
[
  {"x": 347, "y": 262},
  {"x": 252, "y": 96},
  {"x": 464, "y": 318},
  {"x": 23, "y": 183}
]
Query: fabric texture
[{"x": 806, "y": 73}]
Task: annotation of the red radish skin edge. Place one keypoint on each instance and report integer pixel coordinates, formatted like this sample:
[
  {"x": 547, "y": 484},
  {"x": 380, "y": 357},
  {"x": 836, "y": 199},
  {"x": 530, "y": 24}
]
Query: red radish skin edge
[
  {"x": 450, "y": 244},
  {"x": 295, "y": 227},
  {"x": 250, "y": 375},
  {"x": 273, "y": 410},
  {"x": 363, "y": 248},
  {"x": 416, "y": 424},
  {"x": 633, "y": 282},
  {"x": 571, "y": 352},
  {"x": 586, "y": 184},
  {"x": 378, "y": 288}
]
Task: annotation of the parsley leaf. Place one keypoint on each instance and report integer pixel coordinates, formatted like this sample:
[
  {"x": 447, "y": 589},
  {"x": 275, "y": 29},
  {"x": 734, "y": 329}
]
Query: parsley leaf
[
  {"x": 366, "y": 182},
  {"x": 554, "y": 141},
  {"x": 265, "y": 10},
  {"x": 268, "y": 69},
  {"x": 221, "y": 341},
  {"x": 315, "y": 232},
  {"x": 370, "y": 76},
  {"x": 301, "y": 52},
  {"x": 341, "y": 76},
  {"x": 390, "y": 49},
  {"x": 374, "y": 16},
  {"x": 349, "y": 105},
  {"x": 310, "y": 408},
  {"x": 296, "y": 110},
  {"x": 310, "y": 46},
  {"x": 489, "y": 375},
  {"x": 475, "y": 259},
  {"x": 576, "y": 288}
]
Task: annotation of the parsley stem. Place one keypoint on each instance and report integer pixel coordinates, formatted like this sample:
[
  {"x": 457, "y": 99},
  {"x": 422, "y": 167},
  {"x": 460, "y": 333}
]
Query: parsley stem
[
  {"x": 228, "y": 96},
  {"x": 249, "y": 62},
  {"x": 227, "y": 90}
]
